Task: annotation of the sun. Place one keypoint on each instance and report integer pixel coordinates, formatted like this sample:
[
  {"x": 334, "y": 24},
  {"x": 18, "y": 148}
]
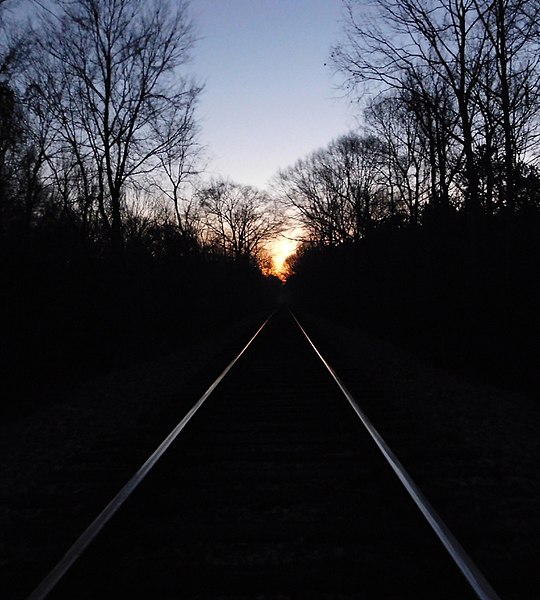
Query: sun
[{"x": 280, "y": 250}]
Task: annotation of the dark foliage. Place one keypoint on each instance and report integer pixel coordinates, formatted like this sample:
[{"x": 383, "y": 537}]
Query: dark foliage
[
  {"x": 69, "y": 312},
  {"x": 449, "y": 262},
  {"x": 466, "y": 303},
  {"x": 104, "y": 258}
]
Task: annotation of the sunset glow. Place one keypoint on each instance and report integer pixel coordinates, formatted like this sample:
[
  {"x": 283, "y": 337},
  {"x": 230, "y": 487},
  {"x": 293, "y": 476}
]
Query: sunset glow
[{"x": 280, "y": 251}]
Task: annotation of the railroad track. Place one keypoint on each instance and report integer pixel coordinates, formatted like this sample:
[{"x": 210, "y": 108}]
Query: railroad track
[{"x": 270, "y": 487}]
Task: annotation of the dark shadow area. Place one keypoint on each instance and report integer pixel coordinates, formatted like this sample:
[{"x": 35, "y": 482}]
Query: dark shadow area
[
  {"x": 465, "y": 302},
  {"x": 112, "y": 249},
  {"x": 69, "y": 312}
]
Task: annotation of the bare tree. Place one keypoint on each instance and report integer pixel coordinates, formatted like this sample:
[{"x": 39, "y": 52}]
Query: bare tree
[
  {"x": 512, "y": 92},
  {"x": 336, "y": 193},
  {"x": 109, "y": 71},
  {"x": 240, "y": 220},
  {"x": 469, "y": 72},
  {"x": 180, "y": 166},
  {"x": 404, "y": 164},
  {"x": 409, "y": 40},
  {"x": 21, "y": 156}
]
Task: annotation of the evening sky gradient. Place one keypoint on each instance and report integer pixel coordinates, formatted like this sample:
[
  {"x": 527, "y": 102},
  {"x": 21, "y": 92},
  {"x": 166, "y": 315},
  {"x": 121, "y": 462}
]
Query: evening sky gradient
[{"x": 270, "y": 96}]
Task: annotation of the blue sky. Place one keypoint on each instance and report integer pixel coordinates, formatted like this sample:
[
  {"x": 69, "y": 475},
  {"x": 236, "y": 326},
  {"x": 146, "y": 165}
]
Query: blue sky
[{"x": 269, "y": 98}]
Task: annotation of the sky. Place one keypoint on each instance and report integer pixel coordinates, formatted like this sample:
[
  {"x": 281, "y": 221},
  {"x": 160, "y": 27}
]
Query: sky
[
  {"x": 270, "y": 95},
  {"x": 269, "y": 99}
]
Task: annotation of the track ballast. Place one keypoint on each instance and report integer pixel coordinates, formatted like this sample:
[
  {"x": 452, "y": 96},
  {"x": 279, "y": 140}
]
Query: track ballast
[{"x": 273, "y": 490}]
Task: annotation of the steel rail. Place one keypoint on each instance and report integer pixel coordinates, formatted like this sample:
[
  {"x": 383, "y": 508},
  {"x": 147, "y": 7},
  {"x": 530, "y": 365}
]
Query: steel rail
[
  {"x": 88, "y": 536},
  {"x": 470, "y": 571}
]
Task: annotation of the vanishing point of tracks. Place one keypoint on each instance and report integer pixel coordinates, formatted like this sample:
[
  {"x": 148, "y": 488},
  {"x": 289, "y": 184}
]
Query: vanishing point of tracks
[{"x": 270, "y": 487}]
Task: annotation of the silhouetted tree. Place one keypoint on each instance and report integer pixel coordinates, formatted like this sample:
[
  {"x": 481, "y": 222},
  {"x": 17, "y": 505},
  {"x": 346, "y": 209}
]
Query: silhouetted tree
[
  {"x": 513, "y": 86},
  {"x": 410, "y": 40},
  {"x": 405, "y": 168},
  {"x": 337, "y": 193},
  {"x": 239, "y": 219},
  {"x": 180, "y": 165},
  {"x": 21, "y": 154},
  {"x": 9, "y": 130},
  {"x": 469, "y": 72},
  {"x": 109, "y": 73}
]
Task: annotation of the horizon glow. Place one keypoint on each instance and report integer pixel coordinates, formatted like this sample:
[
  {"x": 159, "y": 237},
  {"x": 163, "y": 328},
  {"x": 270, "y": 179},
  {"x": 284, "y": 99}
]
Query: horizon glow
[{"x": 270, "y": 97}]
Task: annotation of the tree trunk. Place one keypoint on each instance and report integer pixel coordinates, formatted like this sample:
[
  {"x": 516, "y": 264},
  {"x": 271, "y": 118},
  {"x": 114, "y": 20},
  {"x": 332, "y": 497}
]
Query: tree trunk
[
  {"x": 117, "y": 236},
  {"x": 509, "y": 146}
]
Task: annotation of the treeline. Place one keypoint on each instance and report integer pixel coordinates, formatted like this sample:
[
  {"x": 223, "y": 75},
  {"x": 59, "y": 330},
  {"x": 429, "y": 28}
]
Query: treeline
[
  {"x": 113, "y": 248},
  {"x": 425, "y": 227}
]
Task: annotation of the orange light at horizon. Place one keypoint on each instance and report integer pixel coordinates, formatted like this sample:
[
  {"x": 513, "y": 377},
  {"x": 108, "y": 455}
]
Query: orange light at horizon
[{"x": 280, "y": 250}]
